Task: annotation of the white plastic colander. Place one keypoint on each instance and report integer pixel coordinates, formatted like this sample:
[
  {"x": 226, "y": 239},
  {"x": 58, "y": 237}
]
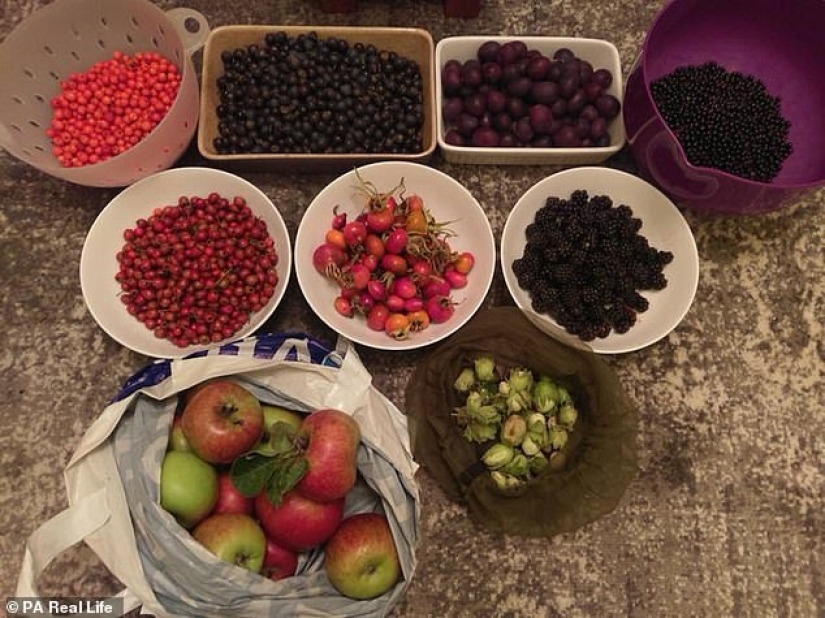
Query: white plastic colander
[{"x": 69, "y": 36}]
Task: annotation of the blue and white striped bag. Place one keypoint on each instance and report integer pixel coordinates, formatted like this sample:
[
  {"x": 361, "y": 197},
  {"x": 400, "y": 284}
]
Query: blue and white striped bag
[{"x": 112, "y": 485}]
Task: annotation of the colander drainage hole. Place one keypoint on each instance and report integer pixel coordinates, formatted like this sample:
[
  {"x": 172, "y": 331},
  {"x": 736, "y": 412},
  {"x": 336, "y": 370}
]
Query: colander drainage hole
[
  {"x": 48, "y": 50},
  {"x": 192, "y": 25}
]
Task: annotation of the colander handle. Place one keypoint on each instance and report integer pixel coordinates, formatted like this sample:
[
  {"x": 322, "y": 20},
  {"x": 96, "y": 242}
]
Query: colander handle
[
  {"x": 7, "y": 139},
  {"x": 192, "y": 27}
]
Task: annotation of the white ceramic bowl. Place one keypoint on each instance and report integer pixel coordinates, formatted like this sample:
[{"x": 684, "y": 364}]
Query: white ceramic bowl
[
  {"x": 662, "y": 225},
  {"x": 601, "y": 54},
  {"x": 98, "y": 263},
  {"x": 446, "y": 199}
]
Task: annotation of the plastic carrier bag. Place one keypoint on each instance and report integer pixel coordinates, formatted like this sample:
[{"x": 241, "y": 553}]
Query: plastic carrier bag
[{"x": 112, "y": 485}]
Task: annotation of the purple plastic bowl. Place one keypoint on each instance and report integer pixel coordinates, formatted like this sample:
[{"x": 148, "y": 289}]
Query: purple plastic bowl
[{"x": 780, "y": 43}]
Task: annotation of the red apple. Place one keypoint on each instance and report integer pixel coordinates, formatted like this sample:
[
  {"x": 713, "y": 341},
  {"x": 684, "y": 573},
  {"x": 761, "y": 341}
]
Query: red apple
[
  {"x": 331, "y": 440},
  {"x": 222, "y": 421},
  {"x": 298, "y": 523},
  {"x": 230, "y": 500},
  {"x": 234, "y": 538},
  {"x": 361, "y": 560},
  {"x": 279, "y": 562}
]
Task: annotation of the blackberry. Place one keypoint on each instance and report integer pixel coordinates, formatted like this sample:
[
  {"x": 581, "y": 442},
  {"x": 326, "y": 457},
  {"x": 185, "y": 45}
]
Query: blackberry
[
  {"x": 724, "y": 120},
  {"x": 585, "y": 262}
]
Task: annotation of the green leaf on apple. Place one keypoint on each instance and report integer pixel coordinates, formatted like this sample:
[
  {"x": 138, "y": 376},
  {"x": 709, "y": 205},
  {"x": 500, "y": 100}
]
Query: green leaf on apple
[
  {"x": 286, "y": 478},
  {"x": 276, "y": 466},
  {"x": 251, "y": 472}
]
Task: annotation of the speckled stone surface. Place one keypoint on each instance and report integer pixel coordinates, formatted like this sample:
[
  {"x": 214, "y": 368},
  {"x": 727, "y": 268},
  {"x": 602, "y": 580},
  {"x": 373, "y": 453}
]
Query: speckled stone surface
[{"x": 726, "y": 515}]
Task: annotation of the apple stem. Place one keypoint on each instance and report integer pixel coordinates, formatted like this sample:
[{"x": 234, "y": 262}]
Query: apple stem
[{"x": 228, "y": 410}]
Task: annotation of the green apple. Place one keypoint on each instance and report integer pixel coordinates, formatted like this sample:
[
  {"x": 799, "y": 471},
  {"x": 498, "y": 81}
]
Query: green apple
[
  {"x": 276, "y": 414},
  {"x": 177, "y": 439},
  {"x": 188, "y": 487},
  {"x": 360, "y": 559},
  {"x": 235, "y": 538}
]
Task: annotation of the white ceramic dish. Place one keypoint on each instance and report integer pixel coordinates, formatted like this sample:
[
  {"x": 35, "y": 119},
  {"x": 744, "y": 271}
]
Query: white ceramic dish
[
  {"x": 600, "y": 53},
  {"x": 447, "y": 200},
  {"x": 98, "y": 263},
  {"x": 663, "y": 226}
]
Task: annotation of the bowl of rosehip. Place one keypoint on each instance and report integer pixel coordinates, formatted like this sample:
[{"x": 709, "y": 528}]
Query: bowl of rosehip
[
  {"x": 528, "y": 100},
  {"x": 395, "y": 255},
  {"x": 184, "y": 260}
]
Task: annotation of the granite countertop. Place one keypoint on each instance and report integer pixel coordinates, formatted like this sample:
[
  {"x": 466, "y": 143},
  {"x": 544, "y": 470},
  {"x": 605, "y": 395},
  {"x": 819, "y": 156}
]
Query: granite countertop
[{"x": 725, "y": 517}]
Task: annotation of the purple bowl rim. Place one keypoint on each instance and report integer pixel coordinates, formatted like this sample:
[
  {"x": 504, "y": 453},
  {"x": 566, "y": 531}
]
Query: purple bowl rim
[{"x": 701, "y": 168}]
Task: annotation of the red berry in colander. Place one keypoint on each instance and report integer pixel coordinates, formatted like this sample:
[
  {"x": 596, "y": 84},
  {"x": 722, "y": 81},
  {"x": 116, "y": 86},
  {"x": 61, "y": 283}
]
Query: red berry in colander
[
  {"x": 194, "y": 272},
  {"x": 111, "y": 107}
]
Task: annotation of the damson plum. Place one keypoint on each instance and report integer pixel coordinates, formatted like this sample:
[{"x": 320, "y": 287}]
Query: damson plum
[
  {"x": 539, "y": 68},
  {"x": 517, "y": 107},
  {"x": 508, "y": 53},
  {"x": 452, "y": 108},
  {"x": 485, "y": 137},
  {"x": 602, "y": 77},
  {"x": 545, "y": 92},
  {"x": 608, "y": 106},
  {"x": 471, "y": 74},
  {"x": 496, "y": 101},
  {"x": 502, "y": 122},
  {"x": 488, "y": 51},
  {"x": 466, "y": 124},
  {"x": 567, "y": 137},
  {"x": 515, "y": 96},
  {"x": 454, "y": 138},
  {"x": 541, "y": 118},
  {"x": 491, "y": 72},
  {"x": 524, "y": 131},
  {"x": 520, "y": 87},
  {"x": 475, "y": 104},
  {"x": 598, "y": 128}
]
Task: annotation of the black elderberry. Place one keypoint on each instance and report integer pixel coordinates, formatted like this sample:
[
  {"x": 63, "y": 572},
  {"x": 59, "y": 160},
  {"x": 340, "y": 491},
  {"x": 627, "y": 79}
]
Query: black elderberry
[{"x": 724, "y": 120}]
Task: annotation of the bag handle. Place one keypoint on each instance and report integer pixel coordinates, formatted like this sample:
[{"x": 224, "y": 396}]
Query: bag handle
[
  {"x": 64, "y": 530},
  {"x": 270, "y": 346}
]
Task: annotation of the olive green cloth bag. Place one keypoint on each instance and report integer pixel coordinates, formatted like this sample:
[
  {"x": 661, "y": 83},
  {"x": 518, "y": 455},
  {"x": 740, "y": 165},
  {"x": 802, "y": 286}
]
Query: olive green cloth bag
[{"x": 600, "y": 455}]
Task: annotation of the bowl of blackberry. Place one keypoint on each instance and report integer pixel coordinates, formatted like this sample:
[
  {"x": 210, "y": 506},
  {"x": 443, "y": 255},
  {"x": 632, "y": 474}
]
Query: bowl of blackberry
[
  {"x": 723, "y": 107},
  {"x": 600, "y": 258}
]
